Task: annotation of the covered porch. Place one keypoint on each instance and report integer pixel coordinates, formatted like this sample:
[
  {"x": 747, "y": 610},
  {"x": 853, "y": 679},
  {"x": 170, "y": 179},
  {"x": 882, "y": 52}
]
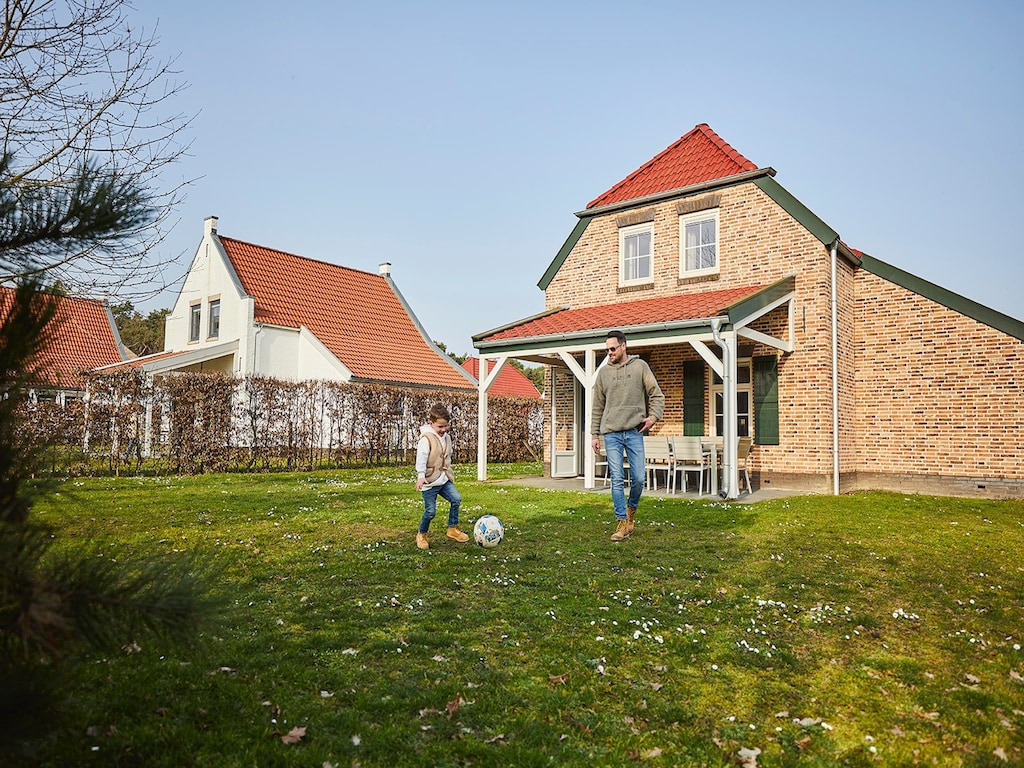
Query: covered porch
[{"x": 707, "y": 327}]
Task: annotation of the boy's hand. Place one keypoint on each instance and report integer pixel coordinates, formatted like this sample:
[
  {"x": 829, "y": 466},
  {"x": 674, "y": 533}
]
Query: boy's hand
[{"x": 420, "y": 481}]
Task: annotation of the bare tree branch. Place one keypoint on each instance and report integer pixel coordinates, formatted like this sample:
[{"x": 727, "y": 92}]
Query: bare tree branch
[{"x": 81, "y": 91}]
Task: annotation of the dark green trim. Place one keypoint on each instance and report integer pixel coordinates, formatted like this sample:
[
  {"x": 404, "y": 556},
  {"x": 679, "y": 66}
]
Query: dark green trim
[
  {"x": 797, "y": 210},
  {"x": 766, "y": 400},
  {"x": 694, "y": 377},
  {"x": 563, "y": 253},
  {"x": 954, "y": 301},
  {"x": 752, "y": 305}
]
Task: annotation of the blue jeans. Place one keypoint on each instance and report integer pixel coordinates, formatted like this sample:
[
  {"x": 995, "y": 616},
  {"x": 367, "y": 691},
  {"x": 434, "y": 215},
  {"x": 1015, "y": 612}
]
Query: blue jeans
[
  {"x": 450, "y": 493},
  {"x": 630, "y": 442}
]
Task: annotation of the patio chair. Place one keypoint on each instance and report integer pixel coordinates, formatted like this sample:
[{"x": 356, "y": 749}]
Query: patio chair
[
  {"x": 658, "y": 458},
  {"x": 689, "y": 456},
  {"x": 742, "y": 452}
]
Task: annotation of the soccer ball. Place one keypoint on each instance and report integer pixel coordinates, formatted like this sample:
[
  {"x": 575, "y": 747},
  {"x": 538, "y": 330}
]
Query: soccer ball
[{"x": 488, "y": 531}]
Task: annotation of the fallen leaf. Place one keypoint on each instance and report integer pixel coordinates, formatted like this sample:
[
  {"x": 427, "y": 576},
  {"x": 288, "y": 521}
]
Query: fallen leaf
[
  {"x": 1015, "y": 675},
  {"x": 972, "y": 679},
  {"x": 650, "y": 754},
  {"x": 748, "y": 757},
  {"x": 493, "y": 739},
  {"x": 294, "y": 736},
  {"x": 454, "y": 705},
  {"x": 998, "y": 752},
  {"x": 802, "y": 743},
  {"x": 657, "y": 686},
  {"x": 558, "y": 679}
]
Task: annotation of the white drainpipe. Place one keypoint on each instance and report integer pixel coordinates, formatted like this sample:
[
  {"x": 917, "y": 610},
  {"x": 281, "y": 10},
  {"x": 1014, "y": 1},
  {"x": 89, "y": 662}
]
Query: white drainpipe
[
  {"x": 729, "y": 439},
  {"x": 835, "y": 376}
]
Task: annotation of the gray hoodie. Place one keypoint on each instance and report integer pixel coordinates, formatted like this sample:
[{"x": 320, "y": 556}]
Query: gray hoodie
[{"x": 624, "y": 395}]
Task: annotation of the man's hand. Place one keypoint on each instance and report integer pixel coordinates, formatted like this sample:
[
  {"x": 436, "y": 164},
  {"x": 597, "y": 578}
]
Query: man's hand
[
  {"x": 645, "y": 425},
  {"x": 597, "y": 445}
]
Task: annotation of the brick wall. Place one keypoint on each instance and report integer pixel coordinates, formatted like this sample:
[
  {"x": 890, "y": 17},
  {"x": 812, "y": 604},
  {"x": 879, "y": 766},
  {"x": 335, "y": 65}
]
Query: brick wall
[{"x": 928, "y": 398}]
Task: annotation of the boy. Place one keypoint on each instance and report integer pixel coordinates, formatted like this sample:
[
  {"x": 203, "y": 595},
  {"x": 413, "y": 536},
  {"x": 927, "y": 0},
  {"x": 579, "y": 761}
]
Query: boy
[{"x": 434, "y": 475}]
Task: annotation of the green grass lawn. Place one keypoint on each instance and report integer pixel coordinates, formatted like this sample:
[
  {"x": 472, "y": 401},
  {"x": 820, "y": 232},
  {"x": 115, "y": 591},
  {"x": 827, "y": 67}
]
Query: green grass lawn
[{"x": 872, "y": 629}]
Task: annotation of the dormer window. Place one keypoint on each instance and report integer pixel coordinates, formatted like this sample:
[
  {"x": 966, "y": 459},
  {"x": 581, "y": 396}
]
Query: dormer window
[
  {"x": 698, "y": 243},
  {"x": 635, "y": 248},
  {"x": 194, "y": 321}
]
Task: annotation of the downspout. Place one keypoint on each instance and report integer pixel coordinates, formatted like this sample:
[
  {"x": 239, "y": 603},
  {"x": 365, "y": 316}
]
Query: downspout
[
  {"x": 835, "y": 375},
  {"x": 729, "y": 415}
]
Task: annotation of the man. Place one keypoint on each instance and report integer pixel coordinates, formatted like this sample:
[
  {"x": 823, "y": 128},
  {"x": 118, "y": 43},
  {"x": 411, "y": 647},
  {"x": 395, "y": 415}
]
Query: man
[{"x": 627, "y": 403}]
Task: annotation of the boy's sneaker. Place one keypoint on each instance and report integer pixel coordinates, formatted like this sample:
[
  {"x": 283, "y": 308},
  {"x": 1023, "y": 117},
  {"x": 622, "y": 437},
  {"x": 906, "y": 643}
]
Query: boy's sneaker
[
  {"x": 456, "y": 535},
  {"x": 421, "y": 541},
  {"x": 622, "y": 531}
]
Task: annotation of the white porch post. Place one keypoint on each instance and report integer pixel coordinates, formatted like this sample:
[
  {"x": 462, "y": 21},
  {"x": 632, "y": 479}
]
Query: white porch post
[
  {"x": 730, "y": 441},
  {"x": 590, "y": 361},
  {"x": 481, "y": 422}
]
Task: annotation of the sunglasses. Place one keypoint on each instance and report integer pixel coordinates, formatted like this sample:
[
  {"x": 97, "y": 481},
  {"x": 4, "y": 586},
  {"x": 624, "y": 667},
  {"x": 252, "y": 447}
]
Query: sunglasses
[{"x": 609, "y": 350}]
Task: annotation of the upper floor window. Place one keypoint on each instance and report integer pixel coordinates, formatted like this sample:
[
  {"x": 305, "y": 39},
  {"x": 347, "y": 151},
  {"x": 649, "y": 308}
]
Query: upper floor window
[
  {"x": 194, "y": 322},
  {"x": 214, "y": 319},
  {"x": 698, "y": 243},
  {"x": 635, "y": 248}
]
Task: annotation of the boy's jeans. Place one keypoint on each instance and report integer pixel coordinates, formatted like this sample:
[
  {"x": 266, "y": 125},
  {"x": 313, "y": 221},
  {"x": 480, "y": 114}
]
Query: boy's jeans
[
  {"x": 631, "y": 442},
  {"x": 450, "y": 493}
]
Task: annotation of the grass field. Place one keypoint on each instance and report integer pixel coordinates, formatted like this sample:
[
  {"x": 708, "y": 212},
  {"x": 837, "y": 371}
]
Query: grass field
[{"x": 872, "y": 629}]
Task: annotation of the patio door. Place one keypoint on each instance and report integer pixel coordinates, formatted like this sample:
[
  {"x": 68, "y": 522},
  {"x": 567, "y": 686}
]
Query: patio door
[{"x": 566, "y": 424}]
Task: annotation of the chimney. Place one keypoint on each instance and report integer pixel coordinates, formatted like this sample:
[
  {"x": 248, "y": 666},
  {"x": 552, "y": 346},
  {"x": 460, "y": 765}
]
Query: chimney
[
  {"x": 210, "y": 225},
  {"x": 385, "y": 268}
]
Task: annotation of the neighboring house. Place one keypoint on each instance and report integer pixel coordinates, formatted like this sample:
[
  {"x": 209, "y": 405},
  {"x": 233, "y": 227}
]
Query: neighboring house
[
  {"x": 510, "y": 380},
  {"x": 247, "y": 309},
  {"x": 757, "y": 319},
  {"x": 81, "y": 336}
]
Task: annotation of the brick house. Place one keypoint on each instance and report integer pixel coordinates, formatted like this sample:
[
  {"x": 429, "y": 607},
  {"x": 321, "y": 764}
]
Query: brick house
[
  {"x": 759, "y": 320},
  {"x": 81, "y": 337}
]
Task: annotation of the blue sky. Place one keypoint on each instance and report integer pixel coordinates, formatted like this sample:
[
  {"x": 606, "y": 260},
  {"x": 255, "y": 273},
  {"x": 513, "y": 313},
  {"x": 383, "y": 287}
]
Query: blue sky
[{"x": 456, "y": 140}]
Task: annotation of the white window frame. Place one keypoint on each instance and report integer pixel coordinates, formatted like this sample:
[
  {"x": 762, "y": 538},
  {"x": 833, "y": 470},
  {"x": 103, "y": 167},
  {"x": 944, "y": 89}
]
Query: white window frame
[
  {"x": 213, "y": 331},
  {"x": 625, "y": 233},
  {"x": 746, "y": 387},
  {"x": 195, "y": 321},
  {"x": 691, "y": 218}
]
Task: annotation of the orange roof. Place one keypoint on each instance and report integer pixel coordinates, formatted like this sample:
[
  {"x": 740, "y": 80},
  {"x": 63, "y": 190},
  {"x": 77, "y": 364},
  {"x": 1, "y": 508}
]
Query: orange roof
[
  {"x": 82, "y": 338},
  {"x": 666, "y": 309},
  {"x": 699, "y": 156},
  {"x": 510, "y": 381},
  {"x": 357, "y": 315}
]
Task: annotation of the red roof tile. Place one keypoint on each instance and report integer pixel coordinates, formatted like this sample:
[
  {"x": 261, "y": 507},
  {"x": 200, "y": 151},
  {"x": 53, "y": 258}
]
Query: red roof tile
[
  {"x": 355, "y": 314},
  {"x": 666, "y": 309},
  {"x": 699, "y": 156},
  {"x": 510, "y": 381},
  {"x": 82, "y": 339}
]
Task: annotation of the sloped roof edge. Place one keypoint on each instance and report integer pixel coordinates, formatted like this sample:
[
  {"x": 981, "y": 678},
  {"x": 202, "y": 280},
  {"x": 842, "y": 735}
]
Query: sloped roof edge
[{"x": 954, "y": 301}]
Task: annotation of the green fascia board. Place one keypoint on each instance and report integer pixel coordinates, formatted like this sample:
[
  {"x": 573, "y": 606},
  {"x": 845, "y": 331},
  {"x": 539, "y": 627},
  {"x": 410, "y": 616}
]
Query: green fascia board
[
  {"x": 751, "y": 305},
  {"x": 563, "y": 252},
  {"x": 797, "y": 210},
  {"x": 972, "y": 309}
]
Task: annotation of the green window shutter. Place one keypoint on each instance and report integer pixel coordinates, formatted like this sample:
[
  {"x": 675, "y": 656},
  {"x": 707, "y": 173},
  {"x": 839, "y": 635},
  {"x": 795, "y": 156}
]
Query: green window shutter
[
  {"x": 693, "y": 397},
  {"x": 766, "y": 400}
]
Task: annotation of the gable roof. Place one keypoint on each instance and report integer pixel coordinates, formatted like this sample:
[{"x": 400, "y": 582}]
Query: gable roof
[
  {"x": 360, "y": 317},
  {"x": 83, "y": 337},
  {"x": 510, "y": 380},
  {"x": 699, "y": 156},
  {"x": 589, "y": 321}
]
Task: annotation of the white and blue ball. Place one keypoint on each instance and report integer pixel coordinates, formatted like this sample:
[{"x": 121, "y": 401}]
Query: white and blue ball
[{"x": 488, "y": 531}]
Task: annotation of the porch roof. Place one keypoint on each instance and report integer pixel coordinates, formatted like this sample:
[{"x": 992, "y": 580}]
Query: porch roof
[{"x": 665, "y": 311}]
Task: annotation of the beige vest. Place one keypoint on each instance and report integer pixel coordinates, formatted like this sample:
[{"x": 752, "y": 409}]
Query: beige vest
[{"x": 438, "y": 460}]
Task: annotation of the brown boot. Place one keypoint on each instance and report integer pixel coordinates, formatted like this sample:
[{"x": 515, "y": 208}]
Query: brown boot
[
  {"x": 630, "y": 519},
  {"x": 456, "y": 535},
  {"x": 622, "y": 531},
  {"x": 421, "y": 541}
]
